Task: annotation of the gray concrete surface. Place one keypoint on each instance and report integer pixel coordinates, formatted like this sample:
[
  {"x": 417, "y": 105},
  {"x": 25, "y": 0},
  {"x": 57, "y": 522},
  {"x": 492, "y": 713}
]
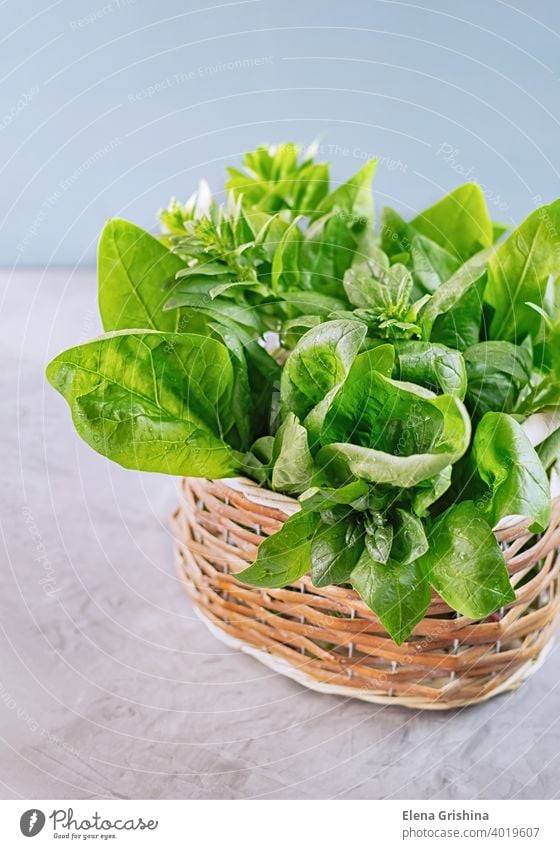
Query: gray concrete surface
[{"x": 109, "y": 685}]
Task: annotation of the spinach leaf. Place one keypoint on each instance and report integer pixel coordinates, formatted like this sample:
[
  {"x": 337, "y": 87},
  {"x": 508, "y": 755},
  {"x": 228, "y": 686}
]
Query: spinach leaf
[
  {"x": 133, "y": 268},
  {"x": 316, "y": 499},
  {"x": 389, "y": 432},
  {"x": 285, "y": 556},
  {"x": 342, "y": 462},
  {"x": 549, "y": 450},
  {"x": 353, "y": 198},
  {"x": 507, "y": 462},
  {"x": 378, "y": 538},
  {"x": 398, "y": 594},
  {"x": 431, "y": 264},
  {"x": 379, "y": 358},
  {"x": 496, "y": 373},
  {"x": 378, "y": 287},
  {"x": 286, "y": 261},
  {"x": 361, "y": 281},
  {"x": 339, "y": 233},
  {"x": 518, "y": 272},
  {"x": 459, "y": 222},
  {"x": 429, "y": 491},
  {"x": 409, "y": 539},
  {"x": 293, "y": 470},
  {"x": 450, "y": 294},
  {"x": 319, "y": 363},
  {"x": 334, "y": 553},
  {"x": 464, "y": 562},
  {"x": 431, "y": 365},
  {"x": 158, "y": 402},
  {"x": 396, "y": 234},
  {"x": 461, "y": 325}
]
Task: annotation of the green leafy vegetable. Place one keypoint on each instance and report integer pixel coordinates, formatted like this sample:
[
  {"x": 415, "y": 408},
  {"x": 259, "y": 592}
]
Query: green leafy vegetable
[
  {"x": 507, "y": 462},
  {"x": 464, "y": 562},
  {"x": 459, "y": 222},
  {"x": 319, "y": 364},
  {"x": 334, "y": 553},
  {"x": 159, "y": 402},
  {"x": 395, "y": 381},
  {"x": 497, "y": 371},
  {"x": 518, "y": 272},
  {"x": 398, "y": 594},
  {"x": 133, "y": 270},
  {"x": 285, "y": 556},
  {"x": 293, "y": 470},
  {"x": 432, "y": 365}
]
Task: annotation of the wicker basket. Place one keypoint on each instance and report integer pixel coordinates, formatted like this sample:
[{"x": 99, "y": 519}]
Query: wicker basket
[{"x": 328, "y": 640}]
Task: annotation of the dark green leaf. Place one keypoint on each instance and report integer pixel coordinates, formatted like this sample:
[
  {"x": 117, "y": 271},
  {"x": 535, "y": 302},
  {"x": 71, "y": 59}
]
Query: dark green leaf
[
  {"x": 460, "y": 326},
  {"x": 293, "y": 469},
  {"x": 398, "y": 594},
  {"x": 332, "y": 558},
  {"x": 496, "y": 373},
  {"x": 409, "y": 539},
  {"x": 378, "y": 540},
  {"x": 431, "y": 365},
  {"x": 464, "y": 563},
  {"x": 451, "y": 293},
  {"x": 285, "y": 556},
  {"x": 507, "y": 462}
]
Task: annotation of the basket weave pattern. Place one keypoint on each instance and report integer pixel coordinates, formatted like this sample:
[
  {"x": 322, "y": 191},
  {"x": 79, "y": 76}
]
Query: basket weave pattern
[{"x": 329, "y": 640}]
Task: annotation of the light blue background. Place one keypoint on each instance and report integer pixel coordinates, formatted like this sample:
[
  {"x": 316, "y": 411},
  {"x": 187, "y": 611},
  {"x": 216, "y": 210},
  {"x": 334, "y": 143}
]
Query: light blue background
[{"x": 105, "y": 109}]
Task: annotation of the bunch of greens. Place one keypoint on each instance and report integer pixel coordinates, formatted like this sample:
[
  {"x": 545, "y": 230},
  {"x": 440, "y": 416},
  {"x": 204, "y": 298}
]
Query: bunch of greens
[{"x": 387, "y": 378}]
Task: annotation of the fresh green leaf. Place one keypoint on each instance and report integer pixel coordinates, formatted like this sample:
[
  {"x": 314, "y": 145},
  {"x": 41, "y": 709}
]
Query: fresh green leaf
[
  {"x": 398, "y": 594},
  {"x": 429, "y": 491},
  {"x": 133, "y": 268},
  {"x": 409, "y": 539},
  {"x": 460, "y": 326},
  {"x": 378, "y": 538},
  {"x": 396, "y": 234},
  {"x": 285, "y": 556},
  {"x": 464, "y": 563},
  {"x": 507, "y": 462},
  {"x": 293, "y": 470},
  {"x": 399, "y": 435},
  {"x": 518, "y": 272},
  {"x": 332, "y": 559},
  {"x": 286, "y": 261},
  {"x": 319, "y": 363},
  {"x": 158, "y": 402},
  {"x": 316, "y": 499},
  {"x": 353, "y": 198},
  {"x": 431, "y": 365},
  {"x": 432, "y": 265},
  {"x": 496, "y": 373},
  {"x": 459, "y": 222},
  {"x": 384, "y": 290},
  {"x": 451, "y": 293},
  {"x": 339, "y": 234}
]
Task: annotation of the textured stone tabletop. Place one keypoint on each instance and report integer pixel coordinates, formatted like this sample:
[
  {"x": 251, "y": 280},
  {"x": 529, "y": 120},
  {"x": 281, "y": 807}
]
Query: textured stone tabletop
[{"x": 110, "y": 686}]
